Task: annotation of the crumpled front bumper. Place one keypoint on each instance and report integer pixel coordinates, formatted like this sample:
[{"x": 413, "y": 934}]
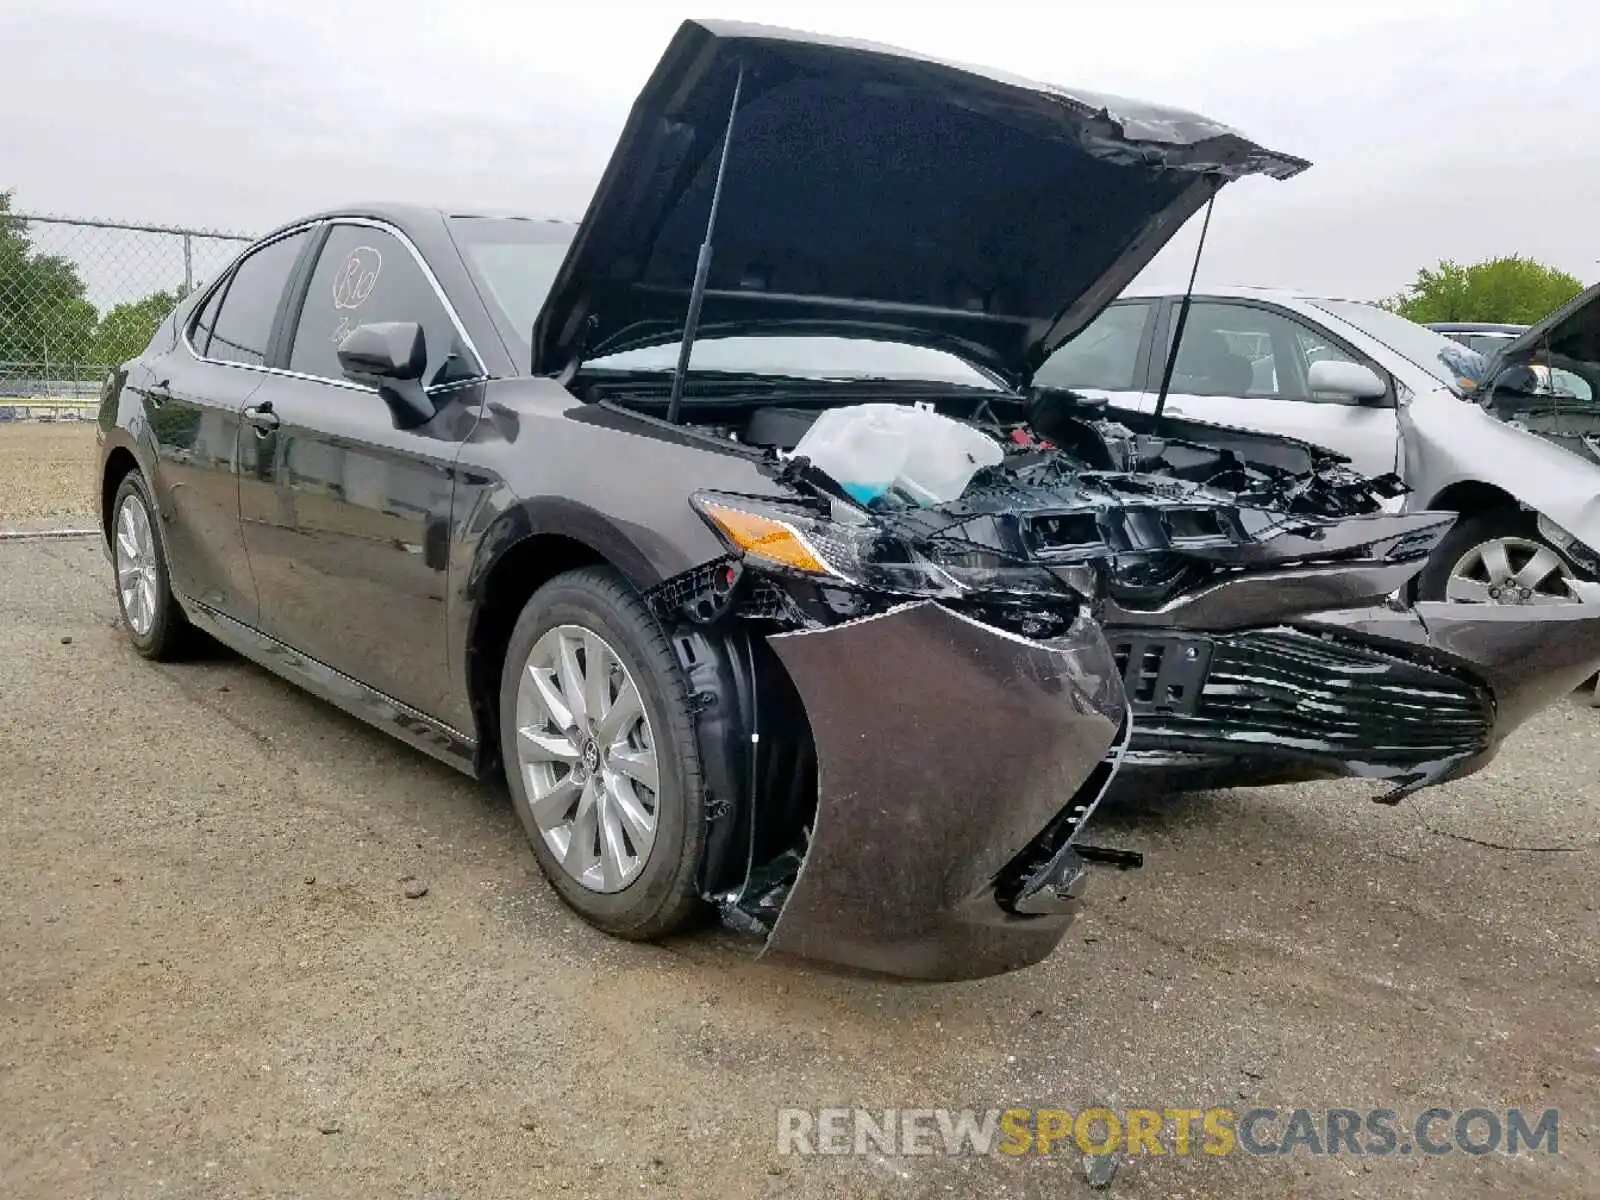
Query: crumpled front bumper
[
  {"x": 1310, "y": 673},
  {"x": 956, "y": 764},
  {"x": 1528, "y": 656}
]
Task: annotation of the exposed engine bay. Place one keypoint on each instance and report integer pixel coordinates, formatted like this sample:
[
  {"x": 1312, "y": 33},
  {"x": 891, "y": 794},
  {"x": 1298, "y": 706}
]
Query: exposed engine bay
[
  {"x": 1077, "y": 517},
  {"x": 1080, "y": 508}
]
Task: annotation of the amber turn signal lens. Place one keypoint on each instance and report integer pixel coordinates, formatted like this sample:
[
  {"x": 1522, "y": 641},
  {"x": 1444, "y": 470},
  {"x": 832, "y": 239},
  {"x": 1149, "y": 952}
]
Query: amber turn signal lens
[{"x": 776, "y": 541}]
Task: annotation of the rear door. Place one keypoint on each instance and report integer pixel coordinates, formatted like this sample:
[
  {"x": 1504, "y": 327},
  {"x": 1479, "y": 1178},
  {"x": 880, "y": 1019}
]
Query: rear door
[
  {"x": 1108, "y": 360},
  {"x": 192, "y": 406},
  {"x": 346, "y": 516},
  {"x": 1245, "y": 363}
]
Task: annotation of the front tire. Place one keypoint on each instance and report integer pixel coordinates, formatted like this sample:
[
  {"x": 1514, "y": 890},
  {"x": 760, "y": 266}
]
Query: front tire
[
  {"x": 151, "y": 616},
  {"x": 1496, "y": 557},
  {"x": 600, "y": 755}
]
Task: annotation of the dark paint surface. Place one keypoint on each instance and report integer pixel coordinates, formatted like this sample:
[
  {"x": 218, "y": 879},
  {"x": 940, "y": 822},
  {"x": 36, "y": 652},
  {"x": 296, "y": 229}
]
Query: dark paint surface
[
  {"x": 1525, "y": 663},
  {"x": 354, "y": 697},
  {"x": 192, "y": 426},
  {"x": 1246, "y": 600},
  {"x": 346, "y": 524},
  {"x": 943, "y": 747}
]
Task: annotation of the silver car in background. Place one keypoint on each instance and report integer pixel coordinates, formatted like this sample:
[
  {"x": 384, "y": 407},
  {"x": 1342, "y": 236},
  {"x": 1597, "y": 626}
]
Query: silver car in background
[
  {"x": 1515, "y": 452},
  {"x": 1484, "y": 337}
]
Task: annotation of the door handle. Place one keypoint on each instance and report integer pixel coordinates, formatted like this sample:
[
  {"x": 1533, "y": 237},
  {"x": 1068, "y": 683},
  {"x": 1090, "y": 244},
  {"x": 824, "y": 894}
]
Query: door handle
[
  {"x": 262, "y": 417},
  {"x": 158, "y": 393}
]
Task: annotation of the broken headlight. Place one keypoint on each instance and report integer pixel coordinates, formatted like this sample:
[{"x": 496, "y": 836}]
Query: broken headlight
[{"x": 845, "y": 547}]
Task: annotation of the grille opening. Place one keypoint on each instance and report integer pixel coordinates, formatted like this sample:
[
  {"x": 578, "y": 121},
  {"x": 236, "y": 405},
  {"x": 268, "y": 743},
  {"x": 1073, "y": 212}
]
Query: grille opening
[
  {"x": 1285, "y": 692},
  {"x": 1149, "y": 671},
  {"x": 1069, "y": 531},
  {"x": 1159, "y": 674},
  {"x": 1191, "y": 523}
]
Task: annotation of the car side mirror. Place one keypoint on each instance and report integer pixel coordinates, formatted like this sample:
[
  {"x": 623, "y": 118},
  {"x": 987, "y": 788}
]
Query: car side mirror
[
  {"x": 393, "y": 355},
  {"x": 1346, "y": 380}
]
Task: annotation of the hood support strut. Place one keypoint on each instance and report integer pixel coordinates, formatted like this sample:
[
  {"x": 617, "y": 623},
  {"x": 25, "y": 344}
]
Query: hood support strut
[
  {"x": 702, "y": 266},
  {"x": 1183, "y": 312}
]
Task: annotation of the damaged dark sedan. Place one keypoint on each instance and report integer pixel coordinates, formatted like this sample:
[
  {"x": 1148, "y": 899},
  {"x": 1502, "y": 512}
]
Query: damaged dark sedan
[{"x": 671, "y": 517}]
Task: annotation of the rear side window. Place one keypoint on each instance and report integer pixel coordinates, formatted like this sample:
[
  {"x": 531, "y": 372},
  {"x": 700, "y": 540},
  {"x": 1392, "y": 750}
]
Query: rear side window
[
  {"x": 1105, "y": 355},
  {"x": 249, "y": 303},
  {"x": 365, "y": 276},
  {"x": 200, "y": 333}
]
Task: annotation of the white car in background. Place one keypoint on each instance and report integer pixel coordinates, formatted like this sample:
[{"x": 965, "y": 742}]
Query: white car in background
[{"x": 1387, "y": 393}]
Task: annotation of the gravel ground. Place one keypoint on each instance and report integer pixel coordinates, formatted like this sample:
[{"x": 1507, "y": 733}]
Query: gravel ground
[
  {"x": 213, "y": 982},
  {"x": 45, "y": 471}
]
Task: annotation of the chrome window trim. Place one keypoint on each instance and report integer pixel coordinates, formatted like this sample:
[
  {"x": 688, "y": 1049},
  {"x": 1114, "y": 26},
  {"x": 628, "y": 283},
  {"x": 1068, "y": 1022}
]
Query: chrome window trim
[
  {"x": 399, "y": 235},
  {"x": 222, "y": 277}
]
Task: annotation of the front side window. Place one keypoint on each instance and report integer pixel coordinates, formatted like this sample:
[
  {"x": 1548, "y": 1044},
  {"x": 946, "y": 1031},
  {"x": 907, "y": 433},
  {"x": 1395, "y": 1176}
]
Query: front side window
[
  {"x": 247, "y": 304},
  {"x": 1242, "y": 350},
  {"x": 1424, "y": 347},
  {"x": 1104, "y": 355},
  {"x": 365, "y": 276}
]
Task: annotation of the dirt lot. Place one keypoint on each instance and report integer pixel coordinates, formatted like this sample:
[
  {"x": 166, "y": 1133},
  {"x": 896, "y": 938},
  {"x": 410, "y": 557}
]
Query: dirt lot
[
  {"x": 213, "y": 984},
  {"x": 44, "y": 471}
]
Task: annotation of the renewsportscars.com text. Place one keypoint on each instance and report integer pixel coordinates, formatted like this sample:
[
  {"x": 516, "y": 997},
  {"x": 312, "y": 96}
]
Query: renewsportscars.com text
[{"x": 1377, "y": 1132}]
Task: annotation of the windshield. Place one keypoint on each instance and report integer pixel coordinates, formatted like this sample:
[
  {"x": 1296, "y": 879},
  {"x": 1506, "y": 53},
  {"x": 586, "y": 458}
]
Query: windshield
[
  {"x": 1484, "y": 343},
  {"x": 806, "y": 357},
  {"x": 514, "y": 261},
  {"x": 1433, "y": 352}
]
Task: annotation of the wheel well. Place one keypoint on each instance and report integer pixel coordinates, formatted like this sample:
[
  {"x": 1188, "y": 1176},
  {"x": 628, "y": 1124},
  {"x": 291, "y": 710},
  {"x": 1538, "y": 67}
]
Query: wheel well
[
  {"x": 118, "y": 464},
  {"x": 1472, "y": 498},
  {"x": 520, "y": 571}
]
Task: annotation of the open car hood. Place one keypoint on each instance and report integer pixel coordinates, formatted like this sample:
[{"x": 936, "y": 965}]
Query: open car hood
[
  {"x": 1571, "y": 331},
  {"x": 872, "y": 192}
]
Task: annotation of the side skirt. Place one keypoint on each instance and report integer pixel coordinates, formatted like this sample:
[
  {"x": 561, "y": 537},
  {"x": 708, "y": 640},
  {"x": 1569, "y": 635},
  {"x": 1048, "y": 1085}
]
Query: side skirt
[{"x": 432, "y": 737}]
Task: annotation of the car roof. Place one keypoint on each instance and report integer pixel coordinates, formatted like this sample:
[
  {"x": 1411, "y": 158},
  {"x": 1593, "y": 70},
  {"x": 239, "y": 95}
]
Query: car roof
[
  {"x": 405, "y": 215},
  {"x": 1232, "y": 292},
  {"x": 1475, "y": 327}
]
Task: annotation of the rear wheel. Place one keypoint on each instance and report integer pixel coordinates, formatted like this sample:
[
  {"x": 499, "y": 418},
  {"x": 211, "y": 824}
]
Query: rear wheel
[
  {"x": 151, "y": 617},
  {"x": 599, "y": 751}
]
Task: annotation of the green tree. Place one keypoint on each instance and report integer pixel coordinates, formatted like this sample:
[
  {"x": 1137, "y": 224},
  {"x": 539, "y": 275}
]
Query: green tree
[
  {"x": 1511, "y": 290},
  {"x": 127, "y": 328},
  {"x": 44, "y": 316}
]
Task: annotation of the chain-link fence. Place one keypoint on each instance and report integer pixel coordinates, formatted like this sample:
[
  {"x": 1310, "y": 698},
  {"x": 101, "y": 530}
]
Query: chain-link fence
[{"x": 78, "y": 297}]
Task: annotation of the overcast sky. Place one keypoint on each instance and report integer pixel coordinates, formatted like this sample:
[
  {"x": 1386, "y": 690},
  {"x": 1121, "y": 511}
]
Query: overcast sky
[{"x": 1438, "y": 128}]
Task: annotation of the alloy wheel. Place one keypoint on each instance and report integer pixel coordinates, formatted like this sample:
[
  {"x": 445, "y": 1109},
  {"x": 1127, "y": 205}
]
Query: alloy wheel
[
  {"x": 1510, "y": 570},
  {"x": 588, "y": 758},
  {"x": 135, "y": 556}
]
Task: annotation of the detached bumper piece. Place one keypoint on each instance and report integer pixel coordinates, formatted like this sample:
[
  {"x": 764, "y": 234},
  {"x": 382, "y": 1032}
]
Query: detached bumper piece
[
  {"x": 1529, "y": 657},
  {"x": 1285, "y": 696},
  {"x": 956, "y": 764},
  {"x": 1414, "y": 697}
]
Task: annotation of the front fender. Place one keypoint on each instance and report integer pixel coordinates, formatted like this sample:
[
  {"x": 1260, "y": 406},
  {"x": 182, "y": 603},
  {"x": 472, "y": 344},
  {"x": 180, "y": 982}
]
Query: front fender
[
  {"x": 489, "y": 524},
  {"x": 1447, "y": 441}
]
